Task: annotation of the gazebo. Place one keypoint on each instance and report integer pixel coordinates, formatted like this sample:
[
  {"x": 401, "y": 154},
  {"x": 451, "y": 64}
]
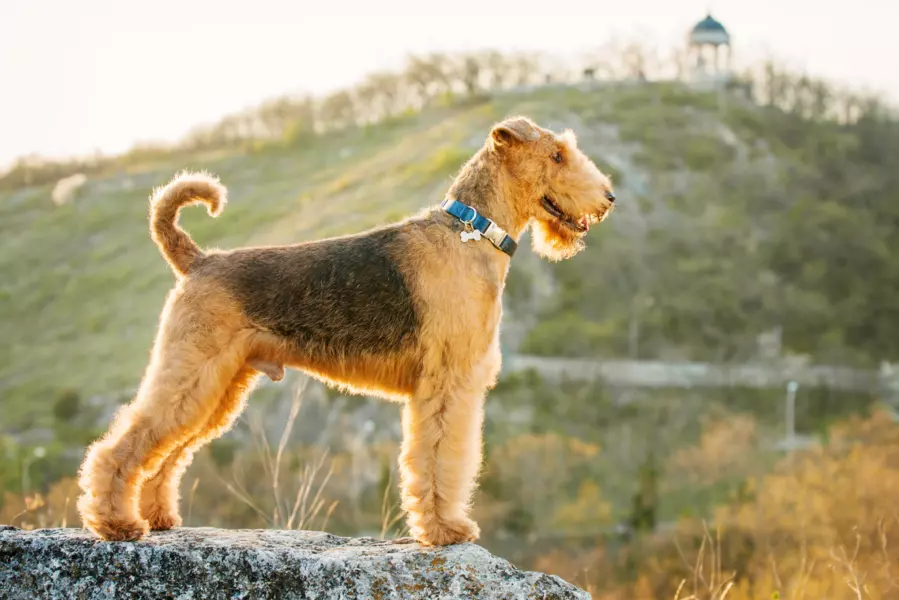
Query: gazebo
[{"x": 709, "y": 50}]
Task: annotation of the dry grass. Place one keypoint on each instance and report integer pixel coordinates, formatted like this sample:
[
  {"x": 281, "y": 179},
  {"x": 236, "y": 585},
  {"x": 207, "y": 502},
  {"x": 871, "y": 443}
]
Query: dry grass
[
  {"x": 301, "y": 505},
  {"x": 36, "y": 510},
  {"x": 391, "y": 514},
  {"x": 709, "y": 581}
]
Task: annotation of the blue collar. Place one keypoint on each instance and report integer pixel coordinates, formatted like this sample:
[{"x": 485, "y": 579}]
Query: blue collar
[{"x": 482, "y": 225}]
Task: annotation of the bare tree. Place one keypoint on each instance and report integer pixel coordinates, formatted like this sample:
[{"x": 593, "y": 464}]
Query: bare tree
[
  {"x": 821, "y": 101},
  {"x": 428, "y": 76},
  {"x": 496, "y": 67},
  {"x": 635, "y": 61},
  {"x": 470, "y": 73},
  {"x": 274, "y": 116},
  {"x": 337, "y": 110},
  {"x": 367, "y": 105},
  {"x": 526, "y": 68}
]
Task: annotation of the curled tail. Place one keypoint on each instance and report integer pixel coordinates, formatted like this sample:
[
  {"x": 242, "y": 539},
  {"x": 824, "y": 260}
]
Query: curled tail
[{"x": 186, "y": 188}]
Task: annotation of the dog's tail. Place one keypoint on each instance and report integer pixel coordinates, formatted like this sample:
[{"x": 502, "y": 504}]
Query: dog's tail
[{"x": 186, "y": 188}]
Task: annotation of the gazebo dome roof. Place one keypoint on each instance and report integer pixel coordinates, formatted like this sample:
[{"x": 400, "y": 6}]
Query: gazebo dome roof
[{"x": 709, "y": 31}]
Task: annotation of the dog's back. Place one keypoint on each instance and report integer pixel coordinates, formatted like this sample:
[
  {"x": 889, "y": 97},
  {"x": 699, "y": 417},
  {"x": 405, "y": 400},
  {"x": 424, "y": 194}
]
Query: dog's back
[{"x": 338, "y": 297}]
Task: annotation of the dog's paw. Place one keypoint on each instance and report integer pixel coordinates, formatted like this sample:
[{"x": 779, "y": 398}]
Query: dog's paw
[
  {"x": 161, "y": 521},
  {"x": 159, "y": 518},
  {"x": 445, "y": 533},
  {"x": 120, "y": 531}
]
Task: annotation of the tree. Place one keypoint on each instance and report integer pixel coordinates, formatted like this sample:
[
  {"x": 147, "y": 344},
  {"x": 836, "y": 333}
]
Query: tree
[
  {"x": 470, "y": 73},
  {"x": 337, "y": 110},
  {"x": 496, "y": 68},
  {"x": 275, "y": 116},
  {"x": 428, "y": 76},
  {"x": 380, "y": 95}
]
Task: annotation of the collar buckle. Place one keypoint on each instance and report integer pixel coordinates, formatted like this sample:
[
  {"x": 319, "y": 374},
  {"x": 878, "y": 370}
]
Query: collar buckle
[{"x": 495, "y": 234}]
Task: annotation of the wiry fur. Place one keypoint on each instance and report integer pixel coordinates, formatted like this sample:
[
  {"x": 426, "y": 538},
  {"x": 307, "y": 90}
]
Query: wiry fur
[
  {"x": 186, "y": 188},
  {"x": 406, "y": 312}
]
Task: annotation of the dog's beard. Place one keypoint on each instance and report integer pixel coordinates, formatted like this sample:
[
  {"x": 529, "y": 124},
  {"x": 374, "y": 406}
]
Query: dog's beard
[{"x": 554, "y": 241}]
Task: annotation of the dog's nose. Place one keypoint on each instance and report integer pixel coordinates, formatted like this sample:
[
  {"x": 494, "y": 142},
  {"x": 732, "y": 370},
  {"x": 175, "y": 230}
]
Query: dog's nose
[{"x": 610, "y": 196}]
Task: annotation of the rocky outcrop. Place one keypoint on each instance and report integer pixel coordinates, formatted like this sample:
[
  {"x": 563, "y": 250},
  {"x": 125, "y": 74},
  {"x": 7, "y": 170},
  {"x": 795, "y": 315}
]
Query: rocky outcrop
[{"x": 214, "y": 563}]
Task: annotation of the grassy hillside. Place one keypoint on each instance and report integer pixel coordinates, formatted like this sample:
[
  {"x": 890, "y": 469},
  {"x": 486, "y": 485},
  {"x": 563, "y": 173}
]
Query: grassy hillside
[
  {"x": 718, "y": 236},
  {"x": 734, "y": 220},
  {"x": 83, "y": 283}
]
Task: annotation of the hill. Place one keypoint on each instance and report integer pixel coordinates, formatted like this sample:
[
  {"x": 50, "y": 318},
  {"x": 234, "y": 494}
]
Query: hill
[
  {"x": 747, "y": 231},
  {"x": 735, "y": 220}
]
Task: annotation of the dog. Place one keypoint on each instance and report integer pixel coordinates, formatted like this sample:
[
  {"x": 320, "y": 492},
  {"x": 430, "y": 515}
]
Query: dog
[{"x": 407, "y": 312}]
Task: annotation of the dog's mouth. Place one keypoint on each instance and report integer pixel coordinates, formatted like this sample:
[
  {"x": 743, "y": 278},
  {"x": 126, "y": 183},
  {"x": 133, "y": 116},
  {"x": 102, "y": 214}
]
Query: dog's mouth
[{"x": 581, "y": 225}]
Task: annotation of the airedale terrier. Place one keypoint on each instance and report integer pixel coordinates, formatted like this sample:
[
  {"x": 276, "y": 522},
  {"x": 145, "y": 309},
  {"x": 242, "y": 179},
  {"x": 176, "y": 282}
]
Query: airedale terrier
[{"x": 409, "y": 312}]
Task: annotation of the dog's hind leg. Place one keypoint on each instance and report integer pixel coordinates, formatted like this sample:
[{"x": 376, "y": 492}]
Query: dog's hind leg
[
  {"x": 160, "y": 494},
  {"x": 441, "y": 456},
  {"x": 196, "y": 357}
]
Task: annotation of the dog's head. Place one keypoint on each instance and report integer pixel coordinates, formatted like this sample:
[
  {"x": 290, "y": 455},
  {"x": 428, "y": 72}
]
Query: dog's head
[{"x": 554, "y": 185}]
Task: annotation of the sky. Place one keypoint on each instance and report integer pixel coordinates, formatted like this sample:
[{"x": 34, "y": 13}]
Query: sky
[{"x": 83, "y": 75}]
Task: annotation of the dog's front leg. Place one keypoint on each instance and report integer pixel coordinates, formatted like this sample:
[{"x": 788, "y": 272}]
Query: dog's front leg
[{"x": 440, "y": 460}]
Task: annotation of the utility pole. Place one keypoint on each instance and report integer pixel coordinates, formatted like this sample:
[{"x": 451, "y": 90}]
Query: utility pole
[{"x": 790, "y": 411}]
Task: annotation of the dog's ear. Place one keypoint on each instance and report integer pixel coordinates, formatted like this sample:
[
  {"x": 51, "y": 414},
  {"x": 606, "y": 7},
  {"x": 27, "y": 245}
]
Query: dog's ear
[
  {"x": 569, "y": 138},
  {"x": 514, "y": 130}
]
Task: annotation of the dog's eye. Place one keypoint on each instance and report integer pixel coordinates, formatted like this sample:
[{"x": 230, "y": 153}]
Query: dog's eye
[{"x": 557, "y": 157}]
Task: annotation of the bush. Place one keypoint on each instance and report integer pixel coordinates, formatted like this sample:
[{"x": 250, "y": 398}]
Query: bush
[{"x": 67, "y": 406}]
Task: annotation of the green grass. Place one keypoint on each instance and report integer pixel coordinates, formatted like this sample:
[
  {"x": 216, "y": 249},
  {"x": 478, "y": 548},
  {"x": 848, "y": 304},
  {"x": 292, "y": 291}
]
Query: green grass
[{"x": 81, "y": 285}]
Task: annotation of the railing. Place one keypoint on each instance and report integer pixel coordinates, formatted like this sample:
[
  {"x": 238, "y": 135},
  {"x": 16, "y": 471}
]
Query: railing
[
  {"x": 664, "y": 374},
  {"x": 672, "y": 374}
]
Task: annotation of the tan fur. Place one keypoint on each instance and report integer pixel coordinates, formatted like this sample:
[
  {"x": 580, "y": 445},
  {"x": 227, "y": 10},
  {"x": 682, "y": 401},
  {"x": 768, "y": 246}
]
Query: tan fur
[
  {"x": 209, "y": 350},
  {"x": 186, "y": 188}
]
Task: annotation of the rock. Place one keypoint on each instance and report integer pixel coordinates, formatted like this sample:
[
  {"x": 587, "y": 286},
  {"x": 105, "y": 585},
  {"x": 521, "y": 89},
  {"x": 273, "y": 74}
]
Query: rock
[
  {"x": 205, "y": 563},
  {"x": 67, "y": 188}
]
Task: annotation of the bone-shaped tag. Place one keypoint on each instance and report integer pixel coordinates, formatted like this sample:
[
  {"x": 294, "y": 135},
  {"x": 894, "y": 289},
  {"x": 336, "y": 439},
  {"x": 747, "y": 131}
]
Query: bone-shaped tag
[{"x": 470, "y": 235}]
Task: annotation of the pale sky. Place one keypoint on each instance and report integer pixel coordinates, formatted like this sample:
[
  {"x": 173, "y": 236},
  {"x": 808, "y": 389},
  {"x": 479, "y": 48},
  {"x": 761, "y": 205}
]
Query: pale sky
[{"x": 78, "y": 75}]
